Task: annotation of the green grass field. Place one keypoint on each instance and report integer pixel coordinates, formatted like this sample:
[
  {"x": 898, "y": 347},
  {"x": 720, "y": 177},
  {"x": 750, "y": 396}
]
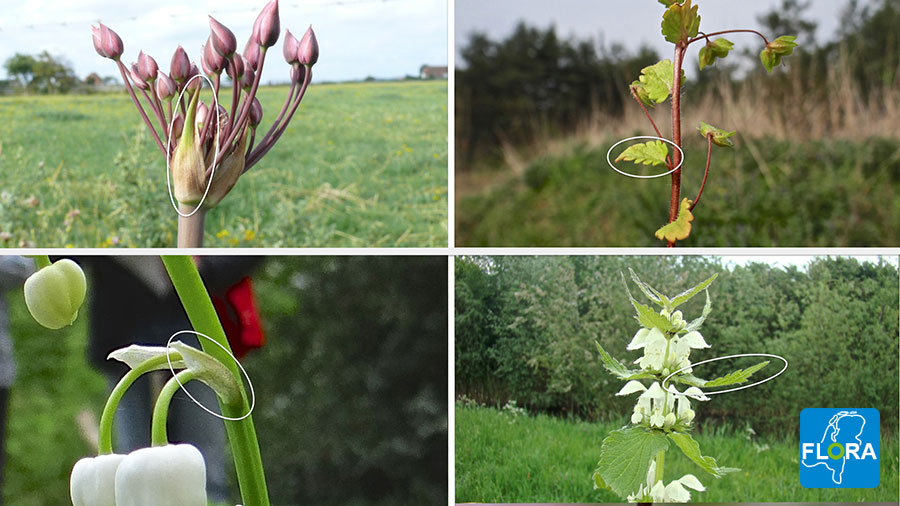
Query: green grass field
[
  {"x": 816, "y": 194},
  {"x": 361, "y": 165},
  {"x": 506, "y": 457}
]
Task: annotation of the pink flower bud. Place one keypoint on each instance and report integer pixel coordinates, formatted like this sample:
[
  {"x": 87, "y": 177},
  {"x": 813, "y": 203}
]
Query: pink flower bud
[
  {"x": 247, "y": 78},
  {"x": 290, "y": 47},
  {"x": 202, "y": 112},
  {"x": 136, "y": 78},
  {"x": 147, "y": 67},
  {"x": 238, "y": 61},
  {"x": 308, "y": 52},
  {"x": 222, "y": 39},
  {"x": 177, "y": 125},
  {"x": 107, "y": 43},
  {"x": 298, "y": 73},
  {"x": 165, "y": 87},
  {"x": 268, "y": 28},
  {"x": 180, "y": 68},
  {"x": 211, "y": 61},
  {"x": 196, "y": 84},
  {"x": 256, "y": 112},
  {"x": 251, "y": 52}
]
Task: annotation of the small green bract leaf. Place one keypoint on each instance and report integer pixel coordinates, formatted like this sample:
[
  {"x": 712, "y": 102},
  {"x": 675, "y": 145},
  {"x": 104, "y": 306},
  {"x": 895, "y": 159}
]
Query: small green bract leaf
[
  {"x": 680, "y": 22},
  {"x": 782, "y": 46},
  {"x": 614, "y": 366},
  {"x": 720, "y": 137},
  {"x": 647, "y": 153},
  {"x": 681, "y": 227},
  {"x": 691, "y": 449},
  {"x": 688, "y": 294},
  {"x": 55, "y": 293},
  {"x": 625, "y": 457},
  {"x": 718, "y": 48},
  {"x": 641, "y": 92},
  {"x": 656, "y": 81},
  {"x": 736, "y": 377},
  {"x": 649, "y": 318},
  {"x": 652, "y": 293},
  {"x": 212, "y": 372},
  {"x": 698, "y": 322}
]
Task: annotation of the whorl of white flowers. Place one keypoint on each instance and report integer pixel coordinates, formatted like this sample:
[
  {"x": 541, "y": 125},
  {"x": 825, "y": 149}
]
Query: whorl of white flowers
[{"x": 673, "y": 492}]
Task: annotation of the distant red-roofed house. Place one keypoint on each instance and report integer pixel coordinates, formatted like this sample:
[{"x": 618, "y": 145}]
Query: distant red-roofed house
[{"x": 431, "y": 72}]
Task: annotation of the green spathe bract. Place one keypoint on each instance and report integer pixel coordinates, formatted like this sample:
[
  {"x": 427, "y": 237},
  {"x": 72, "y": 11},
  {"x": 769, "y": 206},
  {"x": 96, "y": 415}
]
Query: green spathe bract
[{"x": 632, "y": 458}]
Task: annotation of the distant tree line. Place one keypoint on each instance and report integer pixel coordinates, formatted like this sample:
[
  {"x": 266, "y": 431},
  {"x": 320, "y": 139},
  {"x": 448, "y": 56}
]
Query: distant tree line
[
  {"x": 526, "y": 329},
  {"x": 534, "y": 82},
  {"x": 42, "y": 73}
]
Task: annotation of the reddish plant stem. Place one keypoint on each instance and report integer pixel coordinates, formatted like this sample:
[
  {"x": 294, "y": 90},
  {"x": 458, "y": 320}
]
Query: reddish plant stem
[
  {"x": 723, "y": 32},
  {"x": 705, "y": 172},
  {"x": 235, "y": 89},
  {"x": 159, "y": 106},
  {"x": 655, "y": 129},
  {"x": 265, "y": 147},
  {"x": 245, "y": 106},
  {"x": 156, "y": 112},
  {"x": 676, "y": 134},
  {"x": 284, "y": 108},
  {"x": 139, "y": 107}
]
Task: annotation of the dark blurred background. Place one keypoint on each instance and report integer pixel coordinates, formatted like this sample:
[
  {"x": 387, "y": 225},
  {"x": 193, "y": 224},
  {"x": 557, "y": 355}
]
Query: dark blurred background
[
  {"x": 351, "y": 386},
  {"x": 526, "y": 329},
  {"x": 817, "y": 157}
]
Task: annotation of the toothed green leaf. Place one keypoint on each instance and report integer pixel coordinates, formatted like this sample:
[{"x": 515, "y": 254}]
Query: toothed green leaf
[
  {"x": 646, "y": 153},
  {"x": 688, "y": 294},
  {"x": 680, "y": 22},
  {"x": 625, "y": 457},
  {"x": 698, "y": 322},
  {"x": 736, "y": 377},
  {"x": 652, "y": 293},
  {"x": 719, "y": 137},
  {"x": 681, "y": 227},
  {"x": 691, "y": 450},
  {"x": 614, "y": 366},
  {"x": 656, "y": 81}
]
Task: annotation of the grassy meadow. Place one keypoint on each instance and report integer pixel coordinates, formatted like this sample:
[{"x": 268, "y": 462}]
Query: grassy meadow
[
  {"x": 361, "y": 165},
  {"x": 509, "y": 456}
]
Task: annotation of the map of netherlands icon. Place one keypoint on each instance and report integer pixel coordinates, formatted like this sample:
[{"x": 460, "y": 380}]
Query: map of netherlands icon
[{"x": 840, "y": 448}]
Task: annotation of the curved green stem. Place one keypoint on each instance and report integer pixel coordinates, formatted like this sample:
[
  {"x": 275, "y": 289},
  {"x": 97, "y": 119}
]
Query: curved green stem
[
  {"x": 109, "y": 410},
  {"x": 158, "y": 434},
  {"x": 41, "y": 261},
  {"x": 660, "y": 462},
  {"x": 241, "y": 434}
]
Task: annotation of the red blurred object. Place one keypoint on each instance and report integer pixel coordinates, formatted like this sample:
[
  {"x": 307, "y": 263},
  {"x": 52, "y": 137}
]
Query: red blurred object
[{"x": 240, "y": 318}]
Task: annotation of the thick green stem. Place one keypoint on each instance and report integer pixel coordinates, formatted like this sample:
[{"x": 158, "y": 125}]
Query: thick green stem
[
  {"x": 41, "y": 261},
  {"x": 660, "y": 461},
  {"x": 241, "y": 434},
  {"x": 112, "y": 403},
  {"x": 158, "y": 434}
]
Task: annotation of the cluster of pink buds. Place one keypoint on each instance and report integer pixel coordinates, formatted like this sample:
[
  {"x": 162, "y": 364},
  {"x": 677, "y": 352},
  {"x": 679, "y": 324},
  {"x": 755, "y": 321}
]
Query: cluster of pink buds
[{"x": 212, "y": 147}]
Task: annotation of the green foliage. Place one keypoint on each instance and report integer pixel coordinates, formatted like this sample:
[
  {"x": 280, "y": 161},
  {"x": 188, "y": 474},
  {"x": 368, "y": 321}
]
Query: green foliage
[
  {"x": 656, "y": 81},
  {"x": 767, "y": 199},
  {"x": 720, "y": 137},
  {"x": 625, "y": 456},
  {"x": 542, "y": 459},
  {"x": 691, "y": 450},
  {"x": 680, "y": 22},
  {"x": 547, "y": 315},
  {"x": 680, "y": 228},
  {"x": 782, "y": 46},
  {"x": 42, "y": 73},
  {"x": 737, "y": 377},
  {"x": 647, "y": 153},
  {"x": 361, "y": 165},
  {"x": 718, "y": 48}
]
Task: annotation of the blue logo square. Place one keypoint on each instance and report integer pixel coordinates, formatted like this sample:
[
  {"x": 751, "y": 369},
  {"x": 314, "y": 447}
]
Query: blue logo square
[{"x": 840, "y": 448}]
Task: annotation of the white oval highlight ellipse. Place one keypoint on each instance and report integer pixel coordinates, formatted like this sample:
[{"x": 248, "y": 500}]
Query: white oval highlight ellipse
[
  {"x": 667, "y": 141},
  {"x": 213, "y": 413},
  {"x": 215, "y": 153},
  {"x": 770, "y": 378}
]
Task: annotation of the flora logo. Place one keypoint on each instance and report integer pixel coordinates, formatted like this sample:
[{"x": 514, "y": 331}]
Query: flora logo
[{"x": 840, "y": 448}]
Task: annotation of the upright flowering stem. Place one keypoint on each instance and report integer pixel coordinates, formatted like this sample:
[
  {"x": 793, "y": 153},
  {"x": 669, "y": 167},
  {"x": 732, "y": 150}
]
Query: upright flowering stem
[
  {"x": 190, "y": 228},
  {"x": 241, "y": 434},
  {"x": 676, "y": 135}
]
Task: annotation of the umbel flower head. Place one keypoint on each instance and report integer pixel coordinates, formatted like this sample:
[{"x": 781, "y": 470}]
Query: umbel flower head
[{"x": 208, "y": 152}]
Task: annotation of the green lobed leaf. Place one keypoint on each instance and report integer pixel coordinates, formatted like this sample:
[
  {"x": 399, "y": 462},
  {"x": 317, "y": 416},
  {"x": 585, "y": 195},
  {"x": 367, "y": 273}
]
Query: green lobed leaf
[
  {"x": 736, "y": 377},
  {"x": 656, "y": 80},
  {"x": 642, "y": 94},
  {"x": 691, "y": 449},
  {"x": 625, "y": 457},
  {"x": 782, "y": 46},
  {"x": 649, "y": 318},
  {"x": 688, "y": 379},
  {"x": 698, "y": 322},
  {"x": 688, "y": 294},
  {"x": 598, "y": 481},
  {"x": 614, "y": 366},
  {"x": 720, "y": 137},
  {"x": 681, "y": 227},
  {"x": 680, "y": 22},
  {"x": 652, "y": 293},
  {"x": 718, "y": 48},
  {"x": 647, "y": 153}
]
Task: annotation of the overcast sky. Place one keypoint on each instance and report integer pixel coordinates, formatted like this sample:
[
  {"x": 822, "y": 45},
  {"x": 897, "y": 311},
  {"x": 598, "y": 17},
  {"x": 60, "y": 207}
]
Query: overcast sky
[
  {"x": 630, "y": 22},
  {"x": 357, "y": 38},
  {"x": 800, "y": 261}
]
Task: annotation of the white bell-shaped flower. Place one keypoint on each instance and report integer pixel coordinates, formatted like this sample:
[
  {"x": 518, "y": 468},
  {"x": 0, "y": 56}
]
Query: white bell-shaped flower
[
  {"x": 675, "y": 491},
  {"x": 632, "y": 387},
  {"x": 654, "y": 351}
]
